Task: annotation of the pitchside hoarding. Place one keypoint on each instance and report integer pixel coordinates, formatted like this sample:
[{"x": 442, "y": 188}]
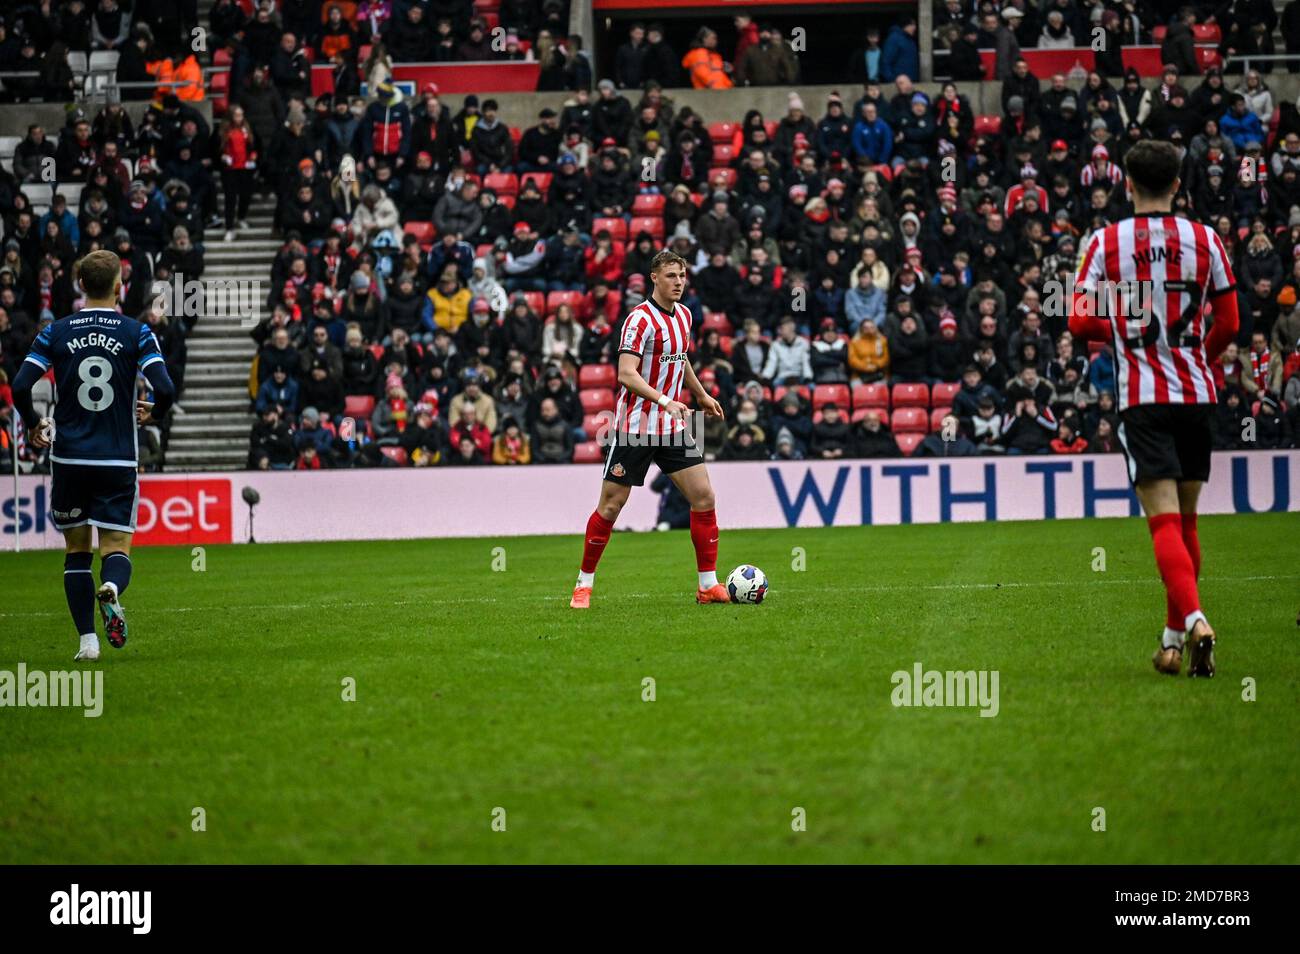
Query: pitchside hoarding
[{"x": 508, "y": 501}]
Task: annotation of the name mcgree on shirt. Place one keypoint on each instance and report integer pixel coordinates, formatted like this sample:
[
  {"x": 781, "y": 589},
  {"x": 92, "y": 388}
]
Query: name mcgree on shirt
[
  {"x": 103, "y": 907},
  {"x": 95, "y": 340},
  {"x": 80, "y": 688}
]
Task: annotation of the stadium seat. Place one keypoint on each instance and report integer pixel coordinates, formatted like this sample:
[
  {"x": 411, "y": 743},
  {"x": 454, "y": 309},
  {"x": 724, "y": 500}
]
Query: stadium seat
[
  {"x": 723, "y": 152},
  {"x": 767, "y": 391},
  {"x": 1207, "y": 57},
  {"x": 359, "y": 406},
  {"x": 910, "y": 420},
  {"x": 557, "y": 298},
  {"x": 543, "y": 180},
  {"x": 1205, "y": 33},
  {"x": 593, "y": 424},
  {"x": 648, "y": 204},
  {"x": 943, "y": 393},
  {"x": 502, "y": 183},
  {"x": 396, "y": 454},
  {"x": 652, "y": 224},
  {"x": 78, "y": 62},
  {"x": 722, "y": 132},
  {"x": 862, "y": 412},
  {"x": 378, "y": 351},
  {"x": 595, "y": 400},
  {"x": 908, "y": 443},
  {"x": 871, "y": 395},
  {"x": 104, "y": 61},
  {"x": 483, "y": 251},
  {"x": 770, "y": 125},
  {"x": 72, "y": 192},
  {"x": 616, "y": 228},
  {"x": 508, "y": 201},
  {"x": 988, "y": 125},
  {"x": 727, "y": 343},
  {"x": 1158, "y": 33},
  {"x": 799, "y": 389},
  {"x": 424, "y": 232},
  {"x": 730, "y": 175},
  {"x": 885, "y": 172},
  {"x": 824, "y": 394},
  {"x": 716, "y": 320},
  {"x": 221, "y": 57},
  {"x": 588, "y": 452},
  {"x": 1094, "y": 347},
  {"x": 220, "y": 92},
  {"x": 536, "y": 301},
  {"x": 937, "y": 416},
  {"x": 38, "y": 193},
  {"x": 910, "y": 395},
  {"x": 597, "y": 376},
  {"x": 516, "y": 134}
]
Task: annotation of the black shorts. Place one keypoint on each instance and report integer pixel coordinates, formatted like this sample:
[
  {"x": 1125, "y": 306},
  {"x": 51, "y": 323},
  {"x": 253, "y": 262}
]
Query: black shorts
[
  {"x": 104, "y": 497},
  {"x": 630, "y": 456},
  {"x": 1167, "y": 441}
]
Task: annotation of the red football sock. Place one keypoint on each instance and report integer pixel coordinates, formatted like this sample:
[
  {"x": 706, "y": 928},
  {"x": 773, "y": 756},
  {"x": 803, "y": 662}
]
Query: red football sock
[
  {"x": 704, "y": 535},
  {"x": 1193, "y": 545},
  {"x": 1176, "y": 567},
  {"x": 598, "y": 530}
]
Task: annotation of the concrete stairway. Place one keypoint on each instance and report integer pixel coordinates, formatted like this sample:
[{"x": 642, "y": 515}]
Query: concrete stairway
[{"x": 212, "y": 433}]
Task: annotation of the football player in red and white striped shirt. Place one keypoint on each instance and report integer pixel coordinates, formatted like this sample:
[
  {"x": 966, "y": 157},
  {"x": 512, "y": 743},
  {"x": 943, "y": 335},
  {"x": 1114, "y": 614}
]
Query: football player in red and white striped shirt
[
  {"x": 1143, "y": 285},
  {"x": 650, "y": 427}
]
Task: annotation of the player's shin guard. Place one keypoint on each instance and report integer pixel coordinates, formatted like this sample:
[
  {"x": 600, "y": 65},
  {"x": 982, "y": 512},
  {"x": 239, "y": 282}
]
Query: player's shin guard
[
  {"x": 1193, "y": 545},
  {"x": 115, "y": 568},
  {"x": 598, "y": 531},
  {"x": 1176, "y": 568},
  {"x": 79, "y": 587},
  {"x": 704, "y": 536}
]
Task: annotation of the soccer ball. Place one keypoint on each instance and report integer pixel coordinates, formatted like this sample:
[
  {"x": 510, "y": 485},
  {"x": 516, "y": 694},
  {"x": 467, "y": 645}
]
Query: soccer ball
[{"x": 747, "y": 584}]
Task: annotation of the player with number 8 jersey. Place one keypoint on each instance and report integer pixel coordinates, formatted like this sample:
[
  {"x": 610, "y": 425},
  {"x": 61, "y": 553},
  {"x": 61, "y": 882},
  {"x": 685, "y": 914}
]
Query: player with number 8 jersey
[{"x": 95, "y": 355}]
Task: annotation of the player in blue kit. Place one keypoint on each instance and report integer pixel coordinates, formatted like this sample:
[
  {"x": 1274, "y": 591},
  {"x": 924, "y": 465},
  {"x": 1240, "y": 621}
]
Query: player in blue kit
[{"x": 95, "y": 355}]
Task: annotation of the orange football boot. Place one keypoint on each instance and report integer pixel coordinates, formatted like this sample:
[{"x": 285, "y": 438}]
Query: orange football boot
[
  {"x": 717, "y": 593},
  {"x": 581, "y": 598}
]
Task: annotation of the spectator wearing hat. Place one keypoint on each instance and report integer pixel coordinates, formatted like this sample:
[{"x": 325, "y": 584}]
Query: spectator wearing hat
[
  {"x": 768, "y": 61},
  {"x": 835, "y": 131},
  {"x": 829, "y": 355},
  {"x": 915, "y": 133},
  {"x": 271, "y": 442},
  {"x": 611, "y": 115},
  {"x": 409, "y": 38},
  {"x": 830, "y": 435},
  {"x": 322, "y": 390},
  {"x": 900, "y": 55},
  {"x": 793, "y": 124},
  {"x": 539, "y": 147},
  {"x": 490, "y": 143}
]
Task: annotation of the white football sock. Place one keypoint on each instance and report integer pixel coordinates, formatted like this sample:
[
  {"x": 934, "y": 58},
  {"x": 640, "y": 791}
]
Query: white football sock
[
  {"x": 1173, "y": 639},
  {"x": 586, "y": 579},
  {"x": 89, "y": 641},
  {"x": 1192, "y": 618},
  {"x": 708, "y": 578}
]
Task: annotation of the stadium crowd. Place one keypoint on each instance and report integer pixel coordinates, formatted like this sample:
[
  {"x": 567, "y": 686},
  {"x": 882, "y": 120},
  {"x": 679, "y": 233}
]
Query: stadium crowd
[{"x": 871, "y": 274}]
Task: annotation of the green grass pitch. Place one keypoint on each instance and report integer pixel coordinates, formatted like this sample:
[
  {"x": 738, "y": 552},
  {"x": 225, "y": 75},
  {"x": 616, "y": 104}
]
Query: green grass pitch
[{"x": 479, "y": 689}]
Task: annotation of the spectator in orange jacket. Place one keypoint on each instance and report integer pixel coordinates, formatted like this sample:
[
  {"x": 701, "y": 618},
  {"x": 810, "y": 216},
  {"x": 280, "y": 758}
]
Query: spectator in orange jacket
[{"x": 705, "y": 64}]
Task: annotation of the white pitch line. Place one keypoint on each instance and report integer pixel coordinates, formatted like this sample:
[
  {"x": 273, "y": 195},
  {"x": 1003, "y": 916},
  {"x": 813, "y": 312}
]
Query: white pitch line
[{"x": 874, "y": 588}]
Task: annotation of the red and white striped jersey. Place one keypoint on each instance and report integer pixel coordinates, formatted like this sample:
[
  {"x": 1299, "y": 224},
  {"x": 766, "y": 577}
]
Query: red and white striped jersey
[
  {"x": 662, "y": 339},
  {"x": 1172, "y": 266},
  {"x": 1113, "y": 176}
]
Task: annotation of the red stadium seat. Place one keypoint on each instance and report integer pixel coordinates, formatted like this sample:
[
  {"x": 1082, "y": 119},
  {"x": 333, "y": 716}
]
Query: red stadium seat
[
  {"x": 597, "y": 376},
  {"x": 502, "y": 183},
  {"x": 593, "y": 424},
  {"x": 716, "y": 320},
  {"x": 1206, "y": 33},
  {"x": 908, "y": 443},
  {"x": 988, "y": 125},
  {"x": 652, "y": 224},
  {"x": 396, "y": 454},
  {"x": 799, "y": 389},
  {"x": 767, "y": 391},
  {"x": 910, "y": 395},
  {"x": 589, "y": 452},
  {"x": 595, "y": 400},
  {"x": 424, "y": 232},
  {"x": 220, "y": 93},
  {"x": 648, "y": 204},
  {"x": 543, "y": 180},
  {"x": 722, "y": 132},
  {"x": 537, "y": 302},
  {"x": 616, "y": 228},
  {"x": 1158, "y": 33},
  {"x": 516, "y": 134},
  {"x": 1094, "y": 347},
  {"x": 508, "y": 201},
  {"x": 492, "y": 19},
  {"x": 910, "y": 420},
  {"x": 483, "y": 251},
  {"x": 698, "y": 199},
  {"x": 557, "y": 298},
  {"x": 359, "y": 406},
  {"x": 378, "y": 351},
  {"x": 770, "y": 125},
  {"x": 862, "y": 412},
  {"x": 221, "y": 57},
  {"x": 871, "y": 395},
  {"x": 885, "y": 172},
  {"x": 723, "y": 152},
  {"x": 824, "y": 394},
  {"x": 937, "y": 416},
  {"x": 727, "y": 343},
  {"x": 943, "y": 393},
  {"x": 730, "y": 175}
]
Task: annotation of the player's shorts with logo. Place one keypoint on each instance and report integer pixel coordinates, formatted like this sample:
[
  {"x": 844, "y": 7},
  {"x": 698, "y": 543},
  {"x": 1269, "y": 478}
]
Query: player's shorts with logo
[
  {"x": 630, "y": 456},
  {"x": 104, "y": 497},
  {"x": 1167, "y": 441}
]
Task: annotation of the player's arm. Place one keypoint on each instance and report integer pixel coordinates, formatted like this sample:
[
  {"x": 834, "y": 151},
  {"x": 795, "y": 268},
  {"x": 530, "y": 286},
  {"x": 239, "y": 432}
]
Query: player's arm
[
  {"x": 154, "y": 369},
  {"x": 1223, "y": 301},
  {"x": 1085, "y": 324},
  {"x": 629, "y": 375},
  {"x": 33, "y": 368},
  {"x": 706, "y": 401}
]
